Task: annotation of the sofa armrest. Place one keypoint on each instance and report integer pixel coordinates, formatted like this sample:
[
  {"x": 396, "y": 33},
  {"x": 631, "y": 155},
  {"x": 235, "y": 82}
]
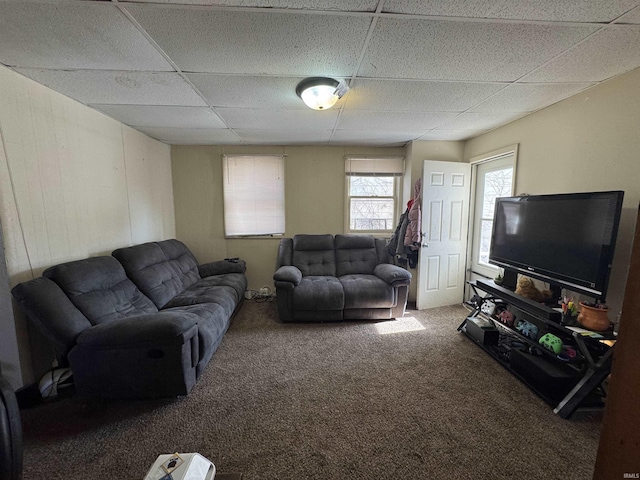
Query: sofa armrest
[
  {"x": 168, "y": 328},
  {"x": 392, "y": 274},
  {"x": 220, "y": 267},
  {"x": 287, "y": 277}
]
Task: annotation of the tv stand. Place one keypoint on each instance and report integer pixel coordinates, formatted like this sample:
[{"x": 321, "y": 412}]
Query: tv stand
[
  {"x": 566, "y": 382},
  {"x": 526, "y": 304}
]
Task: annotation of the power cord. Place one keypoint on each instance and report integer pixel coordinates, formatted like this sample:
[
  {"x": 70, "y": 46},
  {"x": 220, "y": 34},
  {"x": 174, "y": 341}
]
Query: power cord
[{"x": 264, "y": 294}]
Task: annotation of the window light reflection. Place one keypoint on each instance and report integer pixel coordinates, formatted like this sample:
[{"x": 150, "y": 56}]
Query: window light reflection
[{"x": 400, "y": 325}]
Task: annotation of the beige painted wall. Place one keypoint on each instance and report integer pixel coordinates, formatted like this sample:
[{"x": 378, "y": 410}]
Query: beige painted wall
[
  {"x": 73, "y": 183},
  {"x": 589, "y": 142},
  {"x": 314, "y": 200}
]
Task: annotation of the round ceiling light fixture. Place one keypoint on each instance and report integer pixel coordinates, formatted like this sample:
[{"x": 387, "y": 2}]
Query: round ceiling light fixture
[{"x": 320, "y": 93}]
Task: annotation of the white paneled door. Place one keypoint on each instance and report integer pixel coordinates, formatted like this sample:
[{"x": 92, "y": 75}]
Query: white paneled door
[{"x": 445, "y": 219}]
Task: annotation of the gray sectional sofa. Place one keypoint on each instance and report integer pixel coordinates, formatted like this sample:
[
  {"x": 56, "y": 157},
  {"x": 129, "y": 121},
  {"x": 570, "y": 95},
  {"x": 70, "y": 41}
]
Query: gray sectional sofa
[
  {"x": 327, "y": 278},
  {"x": 143, "y": 322}
]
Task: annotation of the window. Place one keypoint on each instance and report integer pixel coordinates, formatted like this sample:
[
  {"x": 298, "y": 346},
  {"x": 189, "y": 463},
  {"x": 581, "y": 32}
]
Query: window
[
  {"x": 495, "y": 183},
  {"x": 253, "y": 194},
  {"x": 372, "y": 193},
  {"x": 494, "y": 177}
]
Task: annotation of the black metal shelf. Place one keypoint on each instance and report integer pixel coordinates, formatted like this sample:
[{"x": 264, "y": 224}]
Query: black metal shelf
[
  {"x": 580, "y": 379},
  {"x": 548, "y": 397}
]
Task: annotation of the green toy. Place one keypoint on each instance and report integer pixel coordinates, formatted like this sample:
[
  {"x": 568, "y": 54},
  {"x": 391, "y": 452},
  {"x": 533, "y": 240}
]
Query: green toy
[{"x": 551, "y": 342}]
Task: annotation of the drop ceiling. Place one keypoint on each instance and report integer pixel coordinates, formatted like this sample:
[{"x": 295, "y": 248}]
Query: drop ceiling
[{"x": 225, "y": 71}]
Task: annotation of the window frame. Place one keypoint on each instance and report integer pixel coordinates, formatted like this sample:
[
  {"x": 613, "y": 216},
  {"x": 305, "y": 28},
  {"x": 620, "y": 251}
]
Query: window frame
[
  {"x": 394, "y": 197},
  {"x": 397, "y": 176},
  {"x": 481, "y": 165}
]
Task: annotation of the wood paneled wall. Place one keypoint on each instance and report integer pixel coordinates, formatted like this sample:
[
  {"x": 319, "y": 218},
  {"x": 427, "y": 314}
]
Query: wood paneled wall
[
  {"x": 73, "y": 183},
  {"x": 619, "y": 449}
]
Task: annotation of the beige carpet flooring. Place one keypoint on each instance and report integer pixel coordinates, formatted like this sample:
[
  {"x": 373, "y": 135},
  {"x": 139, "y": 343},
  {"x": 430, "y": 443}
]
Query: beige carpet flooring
[{"x": 406, "y": 399}]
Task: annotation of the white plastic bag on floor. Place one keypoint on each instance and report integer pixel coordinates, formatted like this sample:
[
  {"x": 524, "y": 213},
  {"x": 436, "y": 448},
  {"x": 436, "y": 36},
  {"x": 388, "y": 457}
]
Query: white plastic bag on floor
[{"x": 181, "y": 466}]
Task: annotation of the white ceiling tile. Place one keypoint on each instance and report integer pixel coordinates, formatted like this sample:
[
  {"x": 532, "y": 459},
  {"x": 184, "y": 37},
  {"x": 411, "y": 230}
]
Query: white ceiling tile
[
  {"x": 452, "y": 135},
  {"x": 248, "y": 91},
  {"x": 447, "y": 50},
  {"x": 284, "y": 137},
  {"x": 342, "y": 5},
  {"x": 256, "y": 43},
  {"x": 191, "y": 136},
  {"x": 368, "y": 120},
  {"x": 632, "y": 17},
  {"x": 153, "y": 116},
  {"x": 528, "y": 97},
  {"x": 444, "y": 77},
  {"x": 374, "y": 137},
  {"x": 480, "y": 121},
  {"x": 82, "y": 36},
  {"x": 412, "y": 96},
  {"x": 109, "y": 87},
  {"x": 613, "y": 50},
  {"x": 550, "y": 10},
  {"x": 249, "y": 119}
]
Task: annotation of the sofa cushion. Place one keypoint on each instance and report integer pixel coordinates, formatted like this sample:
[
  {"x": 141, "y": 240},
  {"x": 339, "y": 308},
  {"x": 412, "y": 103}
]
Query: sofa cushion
[
  {"x": 355, "y": 254},
  {"x": 367, "y": 291},
  {"x": 318, "y": 293},
  {"x": 182, "y": 260},
  {"x": 160, "y": 269},
  {"x": 197, "y": 294},
  {"x": 314, "y": 254},
  {"x": 100, "y": 289},
  {"x": 237, "y": 281}
]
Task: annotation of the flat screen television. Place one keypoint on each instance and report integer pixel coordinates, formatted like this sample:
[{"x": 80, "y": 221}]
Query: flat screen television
[{"x": 566, "y": 240}]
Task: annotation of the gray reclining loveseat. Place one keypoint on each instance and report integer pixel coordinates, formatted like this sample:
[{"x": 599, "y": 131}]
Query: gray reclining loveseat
[
  {"x": 326, "y": 278},
  {"x": 143, "y": 322}
]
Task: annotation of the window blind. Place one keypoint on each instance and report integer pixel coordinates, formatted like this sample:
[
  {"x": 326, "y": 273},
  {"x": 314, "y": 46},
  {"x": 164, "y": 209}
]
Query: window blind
[
  {"x": 253, "y": 194},
  {"x": 374, "y": 166}
]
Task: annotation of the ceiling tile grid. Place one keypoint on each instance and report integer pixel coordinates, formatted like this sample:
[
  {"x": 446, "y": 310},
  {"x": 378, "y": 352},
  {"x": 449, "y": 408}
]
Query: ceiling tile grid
[
  {"x": 633, "y": 17},
  {"x": 543, "y": 10},
  {"x": 225, "y": 71}
]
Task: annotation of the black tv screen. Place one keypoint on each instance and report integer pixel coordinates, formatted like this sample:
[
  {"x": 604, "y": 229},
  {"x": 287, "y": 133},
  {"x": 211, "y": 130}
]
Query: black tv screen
[{"x": 567, "y": 240}]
